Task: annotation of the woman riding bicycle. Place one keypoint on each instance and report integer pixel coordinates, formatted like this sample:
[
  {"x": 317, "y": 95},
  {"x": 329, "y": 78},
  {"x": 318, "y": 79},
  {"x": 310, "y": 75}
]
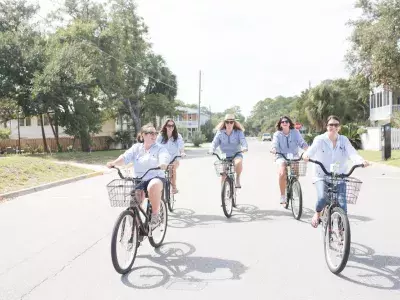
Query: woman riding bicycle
[
  {"x": 172, "y": 140},
  {"x": 331, "y": 148},
  {"x": 144, "y": 155},
  {"x": 286, "y": 140},
  {"x": 230, "y": 138}
]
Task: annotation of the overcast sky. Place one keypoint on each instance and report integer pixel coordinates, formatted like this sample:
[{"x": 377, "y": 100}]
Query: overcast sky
[{"x": 248, "y": 50}]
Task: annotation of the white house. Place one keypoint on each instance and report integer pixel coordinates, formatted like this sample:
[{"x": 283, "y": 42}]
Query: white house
[
  {"x": 188, "y": 120},
  {"x": 383, "y": 102},
  {"x": 30, "y": 128}
]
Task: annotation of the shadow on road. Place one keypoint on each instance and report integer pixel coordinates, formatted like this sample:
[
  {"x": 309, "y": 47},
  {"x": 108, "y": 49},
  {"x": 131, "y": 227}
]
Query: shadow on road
[
  {"x": 371, "y": 270},
  {"x": 177, "y": 269},
  {"x": 186, "y": 218}
]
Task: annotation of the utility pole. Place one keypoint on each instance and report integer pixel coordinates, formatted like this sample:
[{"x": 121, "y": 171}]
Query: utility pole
[{"x": 198, "y": 124}]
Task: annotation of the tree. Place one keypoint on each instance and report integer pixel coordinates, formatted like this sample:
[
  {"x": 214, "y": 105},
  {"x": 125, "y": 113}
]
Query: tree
[{"x": 375, "y": 47}]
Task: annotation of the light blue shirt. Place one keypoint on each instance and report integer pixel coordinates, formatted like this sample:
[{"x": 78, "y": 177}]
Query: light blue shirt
[
  {"x": 174, "y": 147},
  {"x": 323, "y": 151},
  {"x": 144, "y": 160},
  {"x": 229, "y": 144},
  {"x": 288, "y": 144}
]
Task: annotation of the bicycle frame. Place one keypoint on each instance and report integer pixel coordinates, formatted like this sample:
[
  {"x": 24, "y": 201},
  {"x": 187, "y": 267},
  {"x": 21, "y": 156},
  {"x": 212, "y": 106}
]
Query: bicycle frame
[{"x": 290, "y": 174}]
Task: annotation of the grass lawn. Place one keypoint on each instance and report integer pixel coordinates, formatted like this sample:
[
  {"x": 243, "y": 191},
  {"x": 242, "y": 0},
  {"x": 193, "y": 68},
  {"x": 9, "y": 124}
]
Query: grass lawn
[
  {"x": 96, "y": 157},
  {"x": 20, "y": 172},
  {"x": 376, "y": 156}
]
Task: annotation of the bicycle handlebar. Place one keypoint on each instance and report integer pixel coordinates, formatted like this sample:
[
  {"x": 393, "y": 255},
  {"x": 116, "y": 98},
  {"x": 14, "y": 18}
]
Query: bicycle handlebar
[
  {"x": 174, "y": 159},
  {"x": 330, "y": 173},
  {"x": 293, "y": 159},
  {"x": 122, "y": 177},
  {"x": 228, "y": 158}
]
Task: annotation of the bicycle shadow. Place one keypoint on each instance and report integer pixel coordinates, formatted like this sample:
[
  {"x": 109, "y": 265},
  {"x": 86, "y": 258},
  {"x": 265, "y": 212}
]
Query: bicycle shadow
[
  {"x": 372, "y": 270},
  {"x": 187, "y": 218},
  {"x": 309, "y": 213},
  {"x": 177, "y": 269}
]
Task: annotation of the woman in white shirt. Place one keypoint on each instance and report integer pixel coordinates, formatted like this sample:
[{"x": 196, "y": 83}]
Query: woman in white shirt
[
  {"x": 145, "y": 155},
  {"x": 172, "y": 140},
  {"x": 330, "y": 148}
]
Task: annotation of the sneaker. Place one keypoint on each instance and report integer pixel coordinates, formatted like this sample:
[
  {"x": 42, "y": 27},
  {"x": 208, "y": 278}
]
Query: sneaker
[
  {"x": 283, "y": 200},
  {"x": 155, "y": 221}
]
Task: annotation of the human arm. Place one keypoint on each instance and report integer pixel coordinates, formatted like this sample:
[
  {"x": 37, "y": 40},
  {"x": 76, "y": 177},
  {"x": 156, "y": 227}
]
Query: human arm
[
  {"x": 181, "y": 145},
  {"x": 163, "y": 158},
  {"x": 243, "y": 141},
  {"x": 353, "y": 154},
  {"x": 312, "y": 150},
  {"x": 215, "y": 143},
  {"x": 275, "y": 143},
  {"x": 300, "y": 141},
  {"x": 125, "y": 158}
]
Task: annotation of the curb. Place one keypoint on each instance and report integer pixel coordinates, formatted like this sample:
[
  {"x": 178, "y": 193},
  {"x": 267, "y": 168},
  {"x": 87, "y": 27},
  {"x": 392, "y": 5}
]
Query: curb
[{"x": 11, "y": 195}]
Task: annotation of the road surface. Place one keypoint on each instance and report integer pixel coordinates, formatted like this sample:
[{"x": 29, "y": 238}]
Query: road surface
[{"x": 55, "y": 244}]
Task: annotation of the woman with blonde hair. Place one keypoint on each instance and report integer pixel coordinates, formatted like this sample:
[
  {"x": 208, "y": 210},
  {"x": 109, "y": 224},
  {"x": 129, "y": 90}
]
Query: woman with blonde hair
[
  {"x": 173, "y": 141},
  {"x": 230, "y": 139},
  {"x": 145, "y": 155}
]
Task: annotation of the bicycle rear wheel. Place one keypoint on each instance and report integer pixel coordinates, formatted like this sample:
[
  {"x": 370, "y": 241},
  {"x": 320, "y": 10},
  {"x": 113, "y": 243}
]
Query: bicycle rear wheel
[
  {"x": 126, "y": 229},
  {"x": 337, "y": 253},
  {"x": 226, "y": 197},
  {"x": 296, "y": 199}
]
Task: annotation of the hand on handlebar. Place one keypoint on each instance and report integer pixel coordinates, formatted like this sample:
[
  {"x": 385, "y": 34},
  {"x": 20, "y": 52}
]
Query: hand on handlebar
[
  {"x": 183, "y": 154},
  {"x": 273, "y": 151},
  {"x": 110, "y": 164}
]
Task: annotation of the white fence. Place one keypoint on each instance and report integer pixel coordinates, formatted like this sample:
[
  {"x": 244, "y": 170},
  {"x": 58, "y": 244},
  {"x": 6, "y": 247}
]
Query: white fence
[{"x": 372, "y": 140}]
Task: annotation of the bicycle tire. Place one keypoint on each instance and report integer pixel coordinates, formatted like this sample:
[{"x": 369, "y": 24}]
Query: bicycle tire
[
  {"x": 347, "y": 241},
  {"x": 227, "y": 183},
  {"x": 296, "y": 186},
  {"x": 234, "y": 194},
  {"x": 114, "y": 258},
  {"x": 155, "y": 244},
  {"x": 288, "y": 193},
  {"x": 169, "y": 197}
]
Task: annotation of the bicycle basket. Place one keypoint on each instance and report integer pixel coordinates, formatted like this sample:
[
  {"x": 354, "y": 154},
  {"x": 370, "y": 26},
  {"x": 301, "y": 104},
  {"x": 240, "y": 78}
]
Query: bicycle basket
[
  {"x": 221, "y": 167},
  {"x": 119, "y": 192},
  {"x": 349, "y": 186},
  {"x": 299, "y": 168}
]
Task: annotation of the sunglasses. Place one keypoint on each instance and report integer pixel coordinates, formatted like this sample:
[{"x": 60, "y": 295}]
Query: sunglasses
[
  {"x": 229, "y": 122},
  {"x": 150, "y": 132},
  {"x": 333, "y": 125},
  {"x": 170, "y": 125},
  {"x": 284, "y": 121}
]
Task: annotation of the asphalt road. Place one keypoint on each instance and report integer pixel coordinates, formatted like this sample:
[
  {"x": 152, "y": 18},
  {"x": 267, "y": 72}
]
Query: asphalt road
[{"x": 55, "y": 244}]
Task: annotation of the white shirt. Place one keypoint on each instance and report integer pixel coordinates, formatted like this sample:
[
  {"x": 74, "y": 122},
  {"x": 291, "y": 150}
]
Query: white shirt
[
  {"x": 323, "y": 151},
  {"x": 144, "y": 160}
]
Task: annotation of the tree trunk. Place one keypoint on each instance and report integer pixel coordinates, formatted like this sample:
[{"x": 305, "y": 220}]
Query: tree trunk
[
  {"x": 134, "y": 111},
  {"x": 46, "y": 148},
  {"x": 54, "y": 128},
  {"x": 85, "y": 140}
]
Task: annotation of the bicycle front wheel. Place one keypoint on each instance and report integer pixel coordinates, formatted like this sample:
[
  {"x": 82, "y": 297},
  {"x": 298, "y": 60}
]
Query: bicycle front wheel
[
  {"x": 337, "y": 240},
  {"x": 296, "y": 199},
  {"x": 124, "y": 241},
  {"x": 169, "y": 196},
  {"x": 158, "y": 234},
  {"x": 226, "y": 197}
]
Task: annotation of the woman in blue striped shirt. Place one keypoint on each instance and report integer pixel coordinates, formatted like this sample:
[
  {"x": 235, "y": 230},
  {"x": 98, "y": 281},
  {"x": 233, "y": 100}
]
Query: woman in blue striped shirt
[
  {"x": 173, "y": 141},
  {"x": 230, "y": 138},
  {"x": 286, "y": 140}
]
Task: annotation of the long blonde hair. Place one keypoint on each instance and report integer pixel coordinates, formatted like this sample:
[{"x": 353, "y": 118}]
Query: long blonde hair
[{"x": 236, "y": 125}]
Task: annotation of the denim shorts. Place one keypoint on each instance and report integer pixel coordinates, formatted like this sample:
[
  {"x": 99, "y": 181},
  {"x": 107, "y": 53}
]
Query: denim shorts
[{"x": 144, "y": 184}]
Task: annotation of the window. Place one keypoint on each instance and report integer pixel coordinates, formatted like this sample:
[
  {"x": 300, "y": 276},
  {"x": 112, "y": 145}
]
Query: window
[
  {"x": 27, "y": 121},
  {"x": 21, "y": 122}
]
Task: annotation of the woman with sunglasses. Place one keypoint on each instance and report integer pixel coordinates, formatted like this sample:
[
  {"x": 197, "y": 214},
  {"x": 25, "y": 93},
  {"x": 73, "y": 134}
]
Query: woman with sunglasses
[
  {"x": 144, "y": 155},
  {"x": 173, "y": 141},
  {"x": 330, "y": 148},
  {"x": 230, "y": 139},
  {"x": 286, "y": 140}
]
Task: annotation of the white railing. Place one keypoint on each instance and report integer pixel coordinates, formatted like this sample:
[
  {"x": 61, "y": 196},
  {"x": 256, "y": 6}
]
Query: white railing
[
  {"x": 395, "y": 108},
  {"x": 372, "y": 140},
  {"x": 383, "y": 112}
]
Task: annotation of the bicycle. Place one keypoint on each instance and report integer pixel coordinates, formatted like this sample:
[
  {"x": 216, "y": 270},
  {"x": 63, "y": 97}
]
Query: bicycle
[
  {"x": 225, "y": 167},
  {"x": 122, "y": 193},
  {"x": 168, "y": 196},
  {"x": 336, "y": 186},
  {"x": 295, "y": 167}
]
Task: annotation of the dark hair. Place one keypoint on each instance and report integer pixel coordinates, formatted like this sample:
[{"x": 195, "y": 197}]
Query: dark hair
[
  {"x": 332, "y": 117},
  {"x": 144, "y": 128},
  {"x": 164, "y": 132},
  {"x": 278, "y": 124}
]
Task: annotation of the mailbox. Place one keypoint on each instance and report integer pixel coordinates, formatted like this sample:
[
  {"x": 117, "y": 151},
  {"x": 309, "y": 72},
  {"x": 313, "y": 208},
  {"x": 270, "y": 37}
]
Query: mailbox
[{"x": 386, "y": 141}]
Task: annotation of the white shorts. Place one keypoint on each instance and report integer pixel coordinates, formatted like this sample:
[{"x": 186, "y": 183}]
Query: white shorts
[{"x": 279, "y": 161}]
